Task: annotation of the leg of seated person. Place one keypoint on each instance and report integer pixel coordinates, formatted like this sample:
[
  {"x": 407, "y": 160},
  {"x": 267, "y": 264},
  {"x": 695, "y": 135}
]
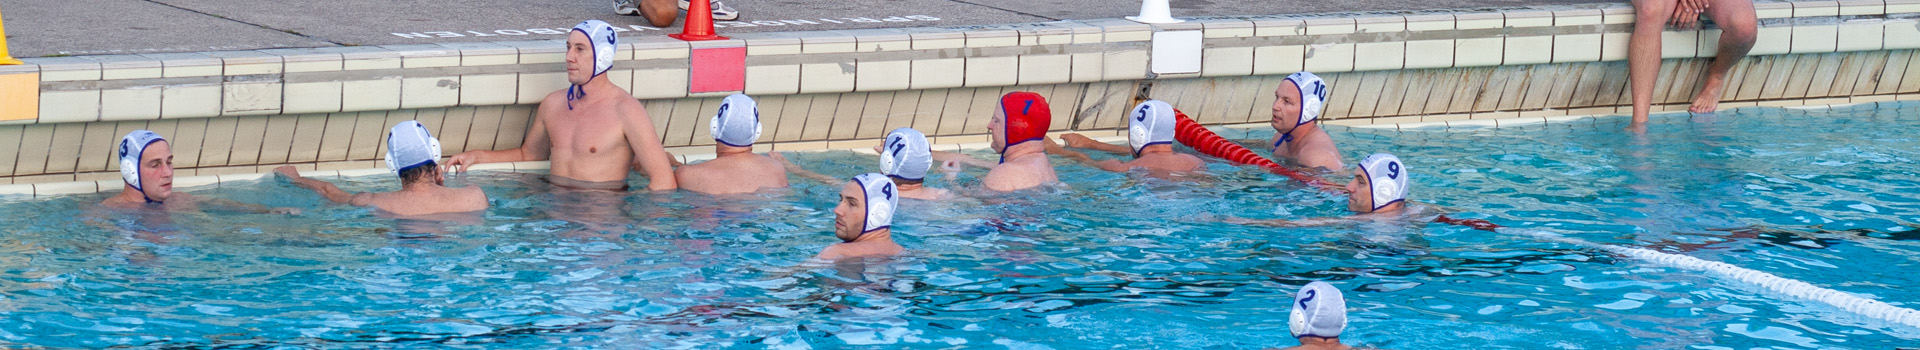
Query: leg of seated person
[
  {"x": 1643, "y": 52},
  {"x": 1738, "y": 26}
]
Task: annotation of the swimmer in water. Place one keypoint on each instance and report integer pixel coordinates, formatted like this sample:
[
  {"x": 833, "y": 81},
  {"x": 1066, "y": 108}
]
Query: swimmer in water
[
  {"x": 1319, "y": 316},
  {"x": 864, "y": 219},
  {"x": 1298, "y": 138},
  {"x": 594, "y": 132},
  {"x": 735, "y": 169},
  {"x": 412, "y": 153},
  {"x": 1023, "y": 117},
  {"x": 905, "y": 157},
  {"x": 1149, "y": 132},
  {"x": 146, "y": 168},
  {"x": 1378, "y": 192}
]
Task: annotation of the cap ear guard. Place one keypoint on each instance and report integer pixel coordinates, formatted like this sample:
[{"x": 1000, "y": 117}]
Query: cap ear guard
[
  {"x": 1386, "y": 178},
  {"x": 881, "y": 197},
  {"x": 1313, "y": 95},
  {"x": 132, "y": 148}
]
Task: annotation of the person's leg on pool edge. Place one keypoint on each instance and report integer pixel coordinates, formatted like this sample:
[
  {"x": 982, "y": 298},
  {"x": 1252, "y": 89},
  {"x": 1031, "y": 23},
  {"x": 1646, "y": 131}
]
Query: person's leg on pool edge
[{"x": 1738, "y": 26}]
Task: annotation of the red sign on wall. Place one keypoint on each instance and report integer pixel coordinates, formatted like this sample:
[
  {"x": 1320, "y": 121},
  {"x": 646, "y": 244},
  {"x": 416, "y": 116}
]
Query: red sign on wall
[{"x": 718, "y": 69}]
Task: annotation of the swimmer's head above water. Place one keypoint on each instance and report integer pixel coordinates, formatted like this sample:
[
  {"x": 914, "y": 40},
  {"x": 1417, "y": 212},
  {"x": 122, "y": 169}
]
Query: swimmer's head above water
[
  {"x": 1297, "y": 101},
  {"x": 590, "y": 50},
  {"x": 906, "y": 156},
  {"x": 146, "y": 165},
  {"x": 866, "y": 205},
  {"x": 1379, "y": 185},
  {"x": 1022, "y": 117},
  {"x": 1151, "y": 123},
  {"x": 737, "y": 124},
  {"x": 413, "y": 153},
  {"x": 1319, "y": 313}
]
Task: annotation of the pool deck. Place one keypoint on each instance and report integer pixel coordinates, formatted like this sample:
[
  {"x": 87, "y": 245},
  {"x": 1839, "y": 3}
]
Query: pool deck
[{"x": 38, "y": 28}]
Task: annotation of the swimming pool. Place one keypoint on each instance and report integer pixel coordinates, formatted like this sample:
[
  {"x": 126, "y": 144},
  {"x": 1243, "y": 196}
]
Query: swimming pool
[{"x": 1822, "y": 196}]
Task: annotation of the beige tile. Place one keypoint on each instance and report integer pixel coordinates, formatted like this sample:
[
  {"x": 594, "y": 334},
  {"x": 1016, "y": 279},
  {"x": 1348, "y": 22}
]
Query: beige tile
[
  {"x": 69, "y": 106},
  {"x": 954, "y": 113},
  {"x": 534, "y": 87},
  {"x": 1528, "y": 50},
  {"x": 1679, "y": 44},
  {"x": 240, "y": 99},
  {"x": 985, "y": 101},
  {"x": 430, "y": 92},
  {"x": 51, "y": 150},
  {"x": 276, "y": 145},
  {"x": 1380, "y": 56},
  {"x": 818, "y": 119},
  {"x": 370, "y": 95},
  {"x": 322, "y": 97},
  {"x": 1446, "y": 83},
  {"x": 1815, "y": 38},
  {"x": 926, "y": 112},
  {"x": 1577, "y": 48},
  {"x": 485, "y": 129},
  {"x": 11, "y": 137},
  {"x": 937, "y": 73},
  {"x": 249, "y": 139},
  {"x": 793, "y": 118},
  {"x": 239, "y": 63},
  {"x": 20, "y": 190},
  {"x": 97, "y": 144},
  {"x": 1478, "y": 52},
  {"x": 489, "y": 89},
  {"x": 1867, "y": 79},
  {"x": 1827, "y": 8},
  {"x": 1772, "y": 41},
  {"x": 1279, "y": 59},
  {"x": 1859, "y": 37},
  {"x": 773, "y": 80},
  {"x": 135, "y": 103},
  {"x": 1889, "y": 77},
  {"x": 1393, "y": 92},
  {"x": 1121, "y": 64},
  {"x": 1473, "y": 82},
  {"x": 336, "y": 139},
  {"x": 184, "y": 135},
  {"x": 991, "y": 71},
  {"x": 64, "y": 188},
  {"x": 831, "y": 77},
  {"x": 1754, "y": 72},
  {"x": 679, "y": 130},
  {"x": 66, "y": 68},
  {"x": 513, "y": 126},
  {"x": 882, "y": 75},
  {"x": 1911, "y": 81},
  {"x": 1226, "y": 61},
  {"x": 1329, "y": 58},
  {"x": 367, "y": 139},
  {"x": 1824, "y": 75},
  {"x": 1429, "y": 54},
  {"x": 454, "y": 126},
  {"x": 901, "y": 113},
  {"x": 847, "y": 116},
  {"x": 649, "y": 84},
  {"x": 308, "y": 130},
  {"x": 1901, "y": 34}
]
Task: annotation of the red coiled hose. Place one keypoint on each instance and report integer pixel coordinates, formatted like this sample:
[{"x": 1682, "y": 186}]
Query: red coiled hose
[{"x": 1193, "y": 135}]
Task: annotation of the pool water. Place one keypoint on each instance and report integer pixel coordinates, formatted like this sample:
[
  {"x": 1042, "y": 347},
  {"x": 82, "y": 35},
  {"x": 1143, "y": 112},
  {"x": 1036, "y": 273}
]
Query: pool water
[{"x": 1113, "y": 260}]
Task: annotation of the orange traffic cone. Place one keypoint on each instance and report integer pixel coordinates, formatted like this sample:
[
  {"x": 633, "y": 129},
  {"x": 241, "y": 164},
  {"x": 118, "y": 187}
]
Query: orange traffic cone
[
  {"x": 7, "y": 59},
  {"x": 699, "y": 26}
]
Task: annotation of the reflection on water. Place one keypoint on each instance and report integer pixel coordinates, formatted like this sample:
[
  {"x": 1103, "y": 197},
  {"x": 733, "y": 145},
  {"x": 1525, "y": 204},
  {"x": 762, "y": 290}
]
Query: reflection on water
[{"x": 1111, "y": 260}]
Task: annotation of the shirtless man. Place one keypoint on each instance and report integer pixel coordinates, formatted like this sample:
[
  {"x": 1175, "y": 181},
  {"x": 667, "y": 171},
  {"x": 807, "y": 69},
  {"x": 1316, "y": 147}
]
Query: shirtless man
[
  {"x": 1738, "y": 25},
  {"x": 411, "y": 154},
  {"x": 734, "y": 168},
  {"x": 905, "y": 157},
  {"x": 593, "y": 131},
  {"x": 1297, "y": 105},
  {"x": 1378, "y": 192},
  {"x": 146, "y": 167},
  {"x": 1150, "y": 133},
  {"x": 864, "y": 219},
  {"x": 1023, "y": 117}
]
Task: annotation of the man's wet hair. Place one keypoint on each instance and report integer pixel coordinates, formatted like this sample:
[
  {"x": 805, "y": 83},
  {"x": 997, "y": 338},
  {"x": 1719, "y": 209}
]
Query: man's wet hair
[{"x": 422, "y": 172}]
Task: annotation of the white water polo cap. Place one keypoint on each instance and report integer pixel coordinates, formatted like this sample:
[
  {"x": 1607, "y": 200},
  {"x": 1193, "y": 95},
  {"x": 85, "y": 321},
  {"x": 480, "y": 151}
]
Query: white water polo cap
[
  {"x": 1387, "y": 177},
  {"x": 1313, "y": 95},
  {"x": 600, "y": 37},
  {"x": 132, "y": 147},
  {"x": 409, "y": 144},
  {"x": 1318, "y": 310},
  {"x": 1151, "y": 123},
  {"x": 906, "y": 155},
  {"x": 737, "y": 123},
  {"x": 881, "y": 199}
]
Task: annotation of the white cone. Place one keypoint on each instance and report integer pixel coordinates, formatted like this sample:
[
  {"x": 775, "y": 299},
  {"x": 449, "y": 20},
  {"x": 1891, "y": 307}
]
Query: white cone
[{"x": 1155, "y": 11}]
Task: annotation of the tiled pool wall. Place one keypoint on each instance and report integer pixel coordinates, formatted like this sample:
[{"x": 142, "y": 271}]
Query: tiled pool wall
[{"x": 243, "y": 112}]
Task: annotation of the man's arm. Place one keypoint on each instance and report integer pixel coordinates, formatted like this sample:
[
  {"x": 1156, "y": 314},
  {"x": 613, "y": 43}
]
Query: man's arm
[
  {"x": 803, "y": 172},
  {"x": 647, "y": 151},
  {"x": 535, "y": 147},
  {"x": 325, "y": 189},
  {"x": 1108, "y": 165},
  {"x": 962, "y": 159},
  {"x": 1081, "y": 141}
]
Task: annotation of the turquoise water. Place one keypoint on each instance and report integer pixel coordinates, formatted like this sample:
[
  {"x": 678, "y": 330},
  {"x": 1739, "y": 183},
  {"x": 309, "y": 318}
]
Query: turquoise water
[{"x": 1112, "y": 261}]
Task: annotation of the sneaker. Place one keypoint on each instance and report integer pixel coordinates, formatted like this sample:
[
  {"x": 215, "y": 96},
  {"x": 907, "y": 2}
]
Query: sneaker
[
  {"x": 720, "y": 11},
  {"x": 625, "y": 8}
]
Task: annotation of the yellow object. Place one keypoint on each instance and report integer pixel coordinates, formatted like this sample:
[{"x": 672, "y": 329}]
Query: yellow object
[
  {"x": 5, "y": 59},
  {"x": 19, "y": 96}
]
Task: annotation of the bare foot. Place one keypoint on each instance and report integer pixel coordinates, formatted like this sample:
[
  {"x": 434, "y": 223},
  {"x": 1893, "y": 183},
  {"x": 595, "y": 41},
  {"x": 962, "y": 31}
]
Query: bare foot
[
  {"x": 1077, "y": 140},
  {"x": 1708, "y": 100}
]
